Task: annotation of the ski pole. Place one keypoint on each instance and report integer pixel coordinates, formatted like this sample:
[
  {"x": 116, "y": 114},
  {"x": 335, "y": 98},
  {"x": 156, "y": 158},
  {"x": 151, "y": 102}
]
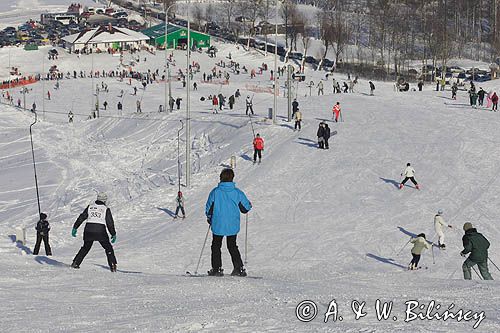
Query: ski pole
[
  {"x": 494, "y": 264},
  {"x": 480, "y": 277},
  {"x": 408, "y": 242},
  {"x": 246, "y": 238},
  {"x": 433, "y": 258},
  {"x": 201, "y": 254}
]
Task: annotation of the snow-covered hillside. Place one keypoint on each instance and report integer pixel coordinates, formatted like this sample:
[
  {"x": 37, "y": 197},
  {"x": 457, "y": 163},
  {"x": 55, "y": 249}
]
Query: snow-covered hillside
[{"x": 326, "y": 224}]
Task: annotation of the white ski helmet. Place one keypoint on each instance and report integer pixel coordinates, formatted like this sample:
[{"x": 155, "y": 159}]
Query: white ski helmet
[
  {"x": 101, "y": 196},
  {"x": 440, "y": 212}
]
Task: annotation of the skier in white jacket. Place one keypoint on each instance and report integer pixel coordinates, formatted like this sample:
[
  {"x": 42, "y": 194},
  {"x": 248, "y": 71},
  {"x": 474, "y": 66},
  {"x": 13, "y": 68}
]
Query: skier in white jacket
[
  {"x": 409, "y": 174},
  {"x": 438, "y": 226}
]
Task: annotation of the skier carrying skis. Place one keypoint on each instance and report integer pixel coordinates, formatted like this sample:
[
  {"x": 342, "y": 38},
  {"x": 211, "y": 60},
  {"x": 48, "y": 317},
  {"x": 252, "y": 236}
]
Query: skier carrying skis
[
  {"x": 438, "y": 226},
  {"x": 336, "y": 112},
  {"x": 409, "y": 174},
  {"x": 419, "y": 244},
  {"x": 258, "y": 146},
  {"x": 477, "y": 245},
  {"x": 180, "y": 205},
  {"x": 98, "y": 217},
  {"x": 42, "y": 233},
  {"x": 223, "y": 207}
]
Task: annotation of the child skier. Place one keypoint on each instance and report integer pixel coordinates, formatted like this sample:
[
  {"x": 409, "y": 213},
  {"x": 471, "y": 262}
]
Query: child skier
[
  {"x": 42, "y": 233},
  {"x": 180, "y": 205},
  {"x": 258, "y": 146},
  {"x": 409, "y": 174},
  {"x": 419, "y": 244}
]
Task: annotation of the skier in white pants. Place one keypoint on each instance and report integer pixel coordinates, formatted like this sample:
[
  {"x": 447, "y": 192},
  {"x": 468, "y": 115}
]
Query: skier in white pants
[{"x": 438, "y": 226}]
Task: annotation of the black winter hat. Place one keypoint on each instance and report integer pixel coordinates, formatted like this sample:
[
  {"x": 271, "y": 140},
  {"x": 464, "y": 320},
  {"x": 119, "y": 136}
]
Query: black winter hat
[{"x": 43, "y": 216}]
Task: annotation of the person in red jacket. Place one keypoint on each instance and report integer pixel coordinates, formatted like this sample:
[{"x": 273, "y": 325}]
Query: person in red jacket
[
  {"x": 494, "y": 100},
  {"x": 215, "y": 104},
  {"x": 336, "y": 112},
  {"x": 258, "y": 146}
]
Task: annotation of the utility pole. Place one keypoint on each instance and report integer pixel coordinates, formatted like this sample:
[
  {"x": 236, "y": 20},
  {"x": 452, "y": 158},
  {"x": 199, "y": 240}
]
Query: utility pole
[
  {"x": 289, "y": 87},
  {"x": 275, "y": 106},
  {"x": 188, "y": 105}
]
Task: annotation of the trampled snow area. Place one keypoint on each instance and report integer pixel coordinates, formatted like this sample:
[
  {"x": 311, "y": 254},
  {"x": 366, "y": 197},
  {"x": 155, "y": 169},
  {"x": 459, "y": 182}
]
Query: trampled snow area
[{"x": 326, "y": 224}]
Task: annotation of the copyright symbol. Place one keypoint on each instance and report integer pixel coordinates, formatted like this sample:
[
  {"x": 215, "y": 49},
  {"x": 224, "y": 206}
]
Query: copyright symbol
[{"x": 306, "y": 311}]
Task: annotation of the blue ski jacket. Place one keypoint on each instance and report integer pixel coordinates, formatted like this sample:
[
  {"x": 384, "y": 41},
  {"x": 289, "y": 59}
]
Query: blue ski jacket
[{"x": 223, "y": 207}]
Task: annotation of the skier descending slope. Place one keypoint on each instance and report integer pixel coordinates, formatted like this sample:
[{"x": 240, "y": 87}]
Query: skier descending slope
[
  {"x": 97, "y": 217},
  {"x": 438, "y": 226},
  {"x": 409, "y": 174},
  {"x": 419, "y": 244},
  {"x": 223, "y": 207},
  {"x": 258, "y": 147}
]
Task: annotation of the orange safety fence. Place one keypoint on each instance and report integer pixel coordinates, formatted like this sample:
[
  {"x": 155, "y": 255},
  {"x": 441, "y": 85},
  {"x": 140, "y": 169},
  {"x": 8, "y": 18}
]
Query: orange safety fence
[{"x": 18, "y": 83}]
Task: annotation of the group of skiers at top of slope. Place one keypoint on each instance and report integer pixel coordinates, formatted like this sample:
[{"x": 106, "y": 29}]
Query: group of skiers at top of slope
[
  {"x": 474, "y": 243},
  {"x": 478, "y": 97}
]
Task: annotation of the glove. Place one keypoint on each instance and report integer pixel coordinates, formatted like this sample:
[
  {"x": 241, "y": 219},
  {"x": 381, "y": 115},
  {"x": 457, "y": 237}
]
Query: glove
[
  {"x": 73, "y": 232},
  {"x": 113, "y": 239},
  {"x": 462, "y": 254}
]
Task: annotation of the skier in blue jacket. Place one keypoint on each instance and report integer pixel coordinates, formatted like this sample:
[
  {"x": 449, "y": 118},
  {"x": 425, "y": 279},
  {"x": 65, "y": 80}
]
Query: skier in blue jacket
[{"x": 223, "y": 208}]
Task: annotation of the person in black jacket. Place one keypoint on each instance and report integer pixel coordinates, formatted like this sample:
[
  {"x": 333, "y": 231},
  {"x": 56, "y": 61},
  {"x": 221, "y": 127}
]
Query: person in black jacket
[
  {"x": 320, "y": 134},
  {"x": 480, "y": 95},
  {"x": 42, "y": 233},
  {"x": 98, "y": 217},
  {"x": 295, "y": 106},
  {"x": 326, "y": 135}
]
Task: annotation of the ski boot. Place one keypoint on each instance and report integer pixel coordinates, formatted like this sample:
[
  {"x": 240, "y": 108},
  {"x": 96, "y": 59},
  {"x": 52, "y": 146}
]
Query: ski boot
[
  {"x": 417, "y": 187},
  {"x": 216, "y": 272},
  {"x": 401, "y": 186},
  {"x": 75, "y": 266},
  {"x": 183, "y": 216},
  {"x": 442, "y": 246},
  {"x": 175, "y": 216},
  {"x": 113, "y": 268},
  {"x": 239, "y": 272}
]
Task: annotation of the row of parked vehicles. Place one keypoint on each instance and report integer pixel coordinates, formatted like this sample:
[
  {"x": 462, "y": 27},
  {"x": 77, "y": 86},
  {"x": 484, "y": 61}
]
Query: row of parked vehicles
[{"x": 456, "y": 74}]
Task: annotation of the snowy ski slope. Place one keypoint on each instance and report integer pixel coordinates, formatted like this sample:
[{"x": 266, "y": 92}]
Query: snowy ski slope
[{"x": 325, "y": 225}]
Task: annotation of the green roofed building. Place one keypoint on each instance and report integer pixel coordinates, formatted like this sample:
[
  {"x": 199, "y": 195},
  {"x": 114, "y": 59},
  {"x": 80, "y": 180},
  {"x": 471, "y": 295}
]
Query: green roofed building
[{"x": 177, "y": 35}]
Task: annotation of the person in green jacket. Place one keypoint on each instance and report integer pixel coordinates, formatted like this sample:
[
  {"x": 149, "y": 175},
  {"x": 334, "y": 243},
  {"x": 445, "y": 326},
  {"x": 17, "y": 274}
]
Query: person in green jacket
[{"x": 477, "y": 245}]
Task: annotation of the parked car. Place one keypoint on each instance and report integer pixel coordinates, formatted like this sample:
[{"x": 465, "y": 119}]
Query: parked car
[
  {"x": 295, "y": 55},
  {"x": 311, "y": 60}
]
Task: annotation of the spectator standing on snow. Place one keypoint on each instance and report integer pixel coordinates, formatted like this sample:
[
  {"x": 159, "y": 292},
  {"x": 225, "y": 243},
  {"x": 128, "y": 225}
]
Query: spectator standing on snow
[
  {"x": 477, "y": 245},
  {"x": 454, "y": 90},
  {"x": 231, "y": 102},
  {"x": 215, "y": 103},
  {"x": 409, "y": 174},
  {"x": 321, "y": 136},
  {"x": 419, "y": 244},
  {"x": 494, "y": 101},
  {"x": 178, "y": 103},
  {"x": 138, "y": 104},
  {"x": 42, "y": 233},
  {"x": 70, "y": 117},
  {"x": 295, "y": 106},
  {"x": 480, "y": 96},
  {"x": 439, "y": 224},
  {"x": 473, "y": 97},
  {"x": 320, "y": 88},
  {"x": 326, "y": 135},
  {"x": 420, "y": 85},
  {"x": 223, "y": 208}
]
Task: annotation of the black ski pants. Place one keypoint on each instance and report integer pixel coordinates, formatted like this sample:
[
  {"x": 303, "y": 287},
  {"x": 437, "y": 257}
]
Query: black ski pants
[
  {"x": 87, "y": 245},
  {"x": 249, "y": 108},
  {"x": 257, "y": 152},
  {"x": 181, "y": 209},
  {"x": 233, "y": 251},
  {"x": 39, "y": 238},
  {"x": 415, "y": 259},
  {"x": 410, "y": 178},
  {"x": 297, "y": 124}
]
